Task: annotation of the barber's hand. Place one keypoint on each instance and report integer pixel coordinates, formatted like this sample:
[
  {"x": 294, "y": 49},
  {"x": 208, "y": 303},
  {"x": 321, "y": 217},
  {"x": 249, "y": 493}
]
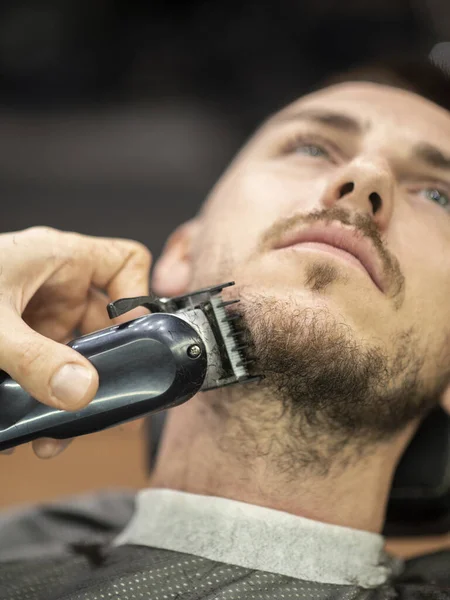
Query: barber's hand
[{"x": 52, "y": 283}]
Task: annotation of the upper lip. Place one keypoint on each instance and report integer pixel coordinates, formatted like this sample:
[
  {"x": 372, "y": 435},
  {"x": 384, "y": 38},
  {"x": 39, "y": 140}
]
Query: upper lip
[{"x": 343, "y": 237}]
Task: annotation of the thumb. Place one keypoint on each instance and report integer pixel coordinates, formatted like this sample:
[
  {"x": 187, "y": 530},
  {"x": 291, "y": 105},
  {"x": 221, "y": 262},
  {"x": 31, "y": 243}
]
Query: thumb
[{"x": 52, "y": 373}]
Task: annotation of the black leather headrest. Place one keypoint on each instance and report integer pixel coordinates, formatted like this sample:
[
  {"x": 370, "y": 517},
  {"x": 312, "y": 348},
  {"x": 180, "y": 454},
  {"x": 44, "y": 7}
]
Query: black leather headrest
[{"x": 419, "y": 503}]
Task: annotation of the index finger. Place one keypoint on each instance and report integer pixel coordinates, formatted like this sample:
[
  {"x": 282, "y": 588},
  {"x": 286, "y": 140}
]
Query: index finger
[{"x": 120, "y": 267}]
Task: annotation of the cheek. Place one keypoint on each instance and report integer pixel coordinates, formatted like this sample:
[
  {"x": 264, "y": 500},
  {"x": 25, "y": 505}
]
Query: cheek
[
  {"x": 421, "y": 245},
  {"x": 249, "y": 201}
]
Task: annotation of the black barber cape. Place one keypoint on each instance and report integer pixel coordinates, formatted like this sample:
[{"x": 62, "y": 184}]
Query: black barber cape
[{"x": 179, "y": 546}]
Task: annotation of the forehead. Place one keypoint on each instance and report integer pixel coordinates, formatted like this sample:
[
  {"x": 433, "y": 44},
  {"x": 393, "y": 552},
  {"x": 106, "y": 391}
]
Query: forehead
[{"x": 380, "y": 106}]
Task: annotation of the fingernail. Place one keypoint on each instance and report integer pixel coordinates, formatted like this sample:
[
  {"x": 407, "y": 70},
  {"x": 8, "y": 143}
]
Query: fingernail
[
  {"x": 70, "y": 384},
  {"x": 7, "y": 452},
  {"x": 49, "y": 448}
]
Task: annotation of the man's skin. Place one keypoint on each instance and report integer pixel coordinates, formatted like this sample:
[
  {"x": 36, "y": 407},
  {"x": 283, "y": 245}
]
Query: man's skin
[{"x": 350, "y": 370}]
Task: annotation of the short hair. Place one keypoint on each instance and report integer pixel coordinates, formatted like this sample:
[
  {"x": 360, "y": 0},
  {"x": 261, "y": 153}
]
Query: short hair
[{"x": 419, "y": 76}]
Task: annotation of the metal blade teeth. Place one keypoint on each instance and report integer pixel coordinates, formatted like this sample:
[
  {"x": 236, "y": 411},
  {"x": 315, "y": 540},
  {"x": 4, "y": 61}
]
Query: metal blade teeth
[
  {"x": 235, "y": 333},
  {"x": 230, "y": 336},
  {"x": 241, "y": 347},
  {"x": 244, "y": 362},
  {"x": 232, "y": 318},
  {"x": 227, "y": 303}
]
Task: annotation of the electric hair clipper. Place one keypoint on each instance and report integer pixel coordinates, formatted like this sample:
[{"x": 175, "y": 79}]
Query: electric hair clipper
[{"x": 187, "y": 344}]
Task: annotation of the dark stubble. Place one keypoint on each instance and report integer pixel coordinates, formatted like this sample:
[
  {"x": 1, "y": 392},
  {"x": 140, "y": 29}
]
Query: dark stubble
[{"x": 327, "y": 396}]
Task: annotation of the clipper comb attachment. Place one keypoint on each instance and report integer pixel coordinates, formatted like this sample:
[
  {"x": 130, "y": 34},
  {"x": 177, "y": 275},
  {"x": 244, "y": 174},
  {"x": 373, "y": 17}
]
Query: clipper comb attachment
[{"x": 205, "y": 309}]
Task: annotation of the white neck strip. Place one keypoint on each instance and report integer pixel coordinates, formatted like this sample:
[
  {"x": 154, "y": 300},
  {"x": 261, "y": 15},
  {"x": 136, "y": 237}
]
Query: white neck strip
[{"x": 259, "y": 538}]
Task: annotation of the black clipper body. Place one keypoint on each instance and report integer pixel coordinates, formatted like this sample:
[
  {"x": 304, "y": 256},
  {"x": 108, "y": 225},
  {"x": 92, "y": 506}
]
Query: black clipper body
[{"x": 146, "y": 365}]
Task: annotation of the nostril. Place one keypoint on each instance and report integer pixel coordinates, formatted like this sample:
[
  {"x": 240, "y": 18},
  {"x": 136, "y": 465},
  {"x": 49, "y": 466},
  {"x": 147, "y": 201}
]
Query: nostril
[
  {"x": 347, "y": 188},
  {"x": 376, "y": 201}
]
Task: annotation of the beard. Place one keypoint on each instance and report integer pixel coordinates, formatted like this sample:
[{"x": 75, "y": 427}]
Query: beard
[
  {"x": 328, "y": 397},
  {"x": 315, "y": 365}
]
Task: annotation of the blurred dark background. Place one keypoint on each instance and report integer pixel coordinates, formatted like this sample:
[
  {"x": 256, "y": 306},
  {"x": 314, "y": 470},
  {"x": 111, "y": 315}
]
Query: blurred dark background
[{"x": 116, "y": 117}]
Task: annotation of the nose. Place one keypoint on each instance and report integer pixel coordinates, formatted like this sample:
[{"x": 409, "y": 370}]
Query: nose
[{"x": 364, "y": 186}]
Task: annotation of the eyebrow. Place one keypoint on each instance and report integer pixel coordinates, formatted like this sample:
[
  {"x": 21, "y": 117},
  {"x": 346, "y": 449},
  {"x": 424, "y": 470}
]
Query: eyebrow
[
  {"x": 423, "y": 151},
  {"x": 336, "y": 120},
  {"x": 431, "y": 156}
]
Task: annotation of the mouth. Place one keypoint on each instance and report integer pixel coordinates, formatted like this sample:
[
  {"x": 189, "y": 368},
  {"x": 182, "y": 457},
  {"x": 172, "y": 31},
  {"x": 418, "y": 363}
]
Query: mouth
[{"x": 342, "y": 242}]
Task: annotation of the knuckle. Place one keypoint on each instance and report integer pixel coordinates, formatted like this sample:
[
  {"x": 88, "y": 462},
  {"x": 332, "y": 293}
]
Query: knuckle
[
  {"x": 134, "y": 254},
  {"x": 44, "y": 241},
  {"x": 41, "y": 231},
  {"x": 69, "y": 242},
  {"x": 29, "y": 358},
  {"x": 142, "y": 253},
  {"x": 77, "y": 238}
]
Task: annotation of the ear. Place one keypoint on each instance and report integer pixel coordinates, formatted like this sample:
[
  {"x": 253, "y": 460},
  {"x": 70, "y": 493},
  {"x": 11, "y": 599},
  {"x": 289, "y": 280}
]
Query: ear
[{"x": 172, "y": 271}]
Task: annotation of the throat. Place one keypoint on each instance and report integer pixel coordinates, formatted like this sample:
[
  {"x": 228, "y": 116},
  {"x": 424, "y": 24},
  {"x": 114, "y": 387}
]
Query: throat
[{"x": 255, "y": 465}]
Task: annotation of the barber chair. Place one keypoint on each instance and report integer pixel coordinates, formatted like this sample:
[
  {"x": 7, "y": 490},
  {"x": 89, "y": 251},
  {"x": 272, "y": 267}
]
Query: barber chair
[{"x": 419, "y": 502}]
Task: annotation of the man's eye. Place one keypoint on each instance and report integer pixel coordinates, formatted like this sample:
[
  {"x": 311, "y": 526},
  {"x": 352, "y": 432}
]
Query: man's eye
[
  {"x": 437, "y": 196},
  {"x": 314, "y": 146},
  {"x": 311, "y": 150}
]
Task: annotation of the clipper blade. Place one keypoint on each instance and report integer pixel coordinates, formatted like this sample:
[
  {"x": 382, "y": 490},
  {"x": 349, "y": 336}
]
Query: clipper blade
[
  {"x": 226, "y": 344},
  {"x": 226, "y": 347},
  {"x": 230, "y": 335}
]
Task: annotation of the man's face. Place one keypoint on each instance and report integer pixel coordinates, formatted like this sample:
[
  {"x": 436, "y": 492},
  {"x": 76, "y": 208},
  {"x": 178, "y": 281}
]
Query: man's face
[{"x": 330, "y": 341}]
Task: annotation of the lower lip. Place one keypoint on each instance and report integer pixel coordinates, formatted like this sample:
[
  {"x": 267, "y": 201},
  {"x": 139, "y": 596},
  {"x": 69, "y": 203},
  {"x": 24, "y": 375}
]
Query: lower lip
[{"x": 331, "y": 250}]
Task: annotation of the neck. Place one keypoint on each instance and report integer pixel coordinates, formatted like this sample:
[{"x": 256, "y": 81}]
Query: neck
[{"x": 196, "y": 456}]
